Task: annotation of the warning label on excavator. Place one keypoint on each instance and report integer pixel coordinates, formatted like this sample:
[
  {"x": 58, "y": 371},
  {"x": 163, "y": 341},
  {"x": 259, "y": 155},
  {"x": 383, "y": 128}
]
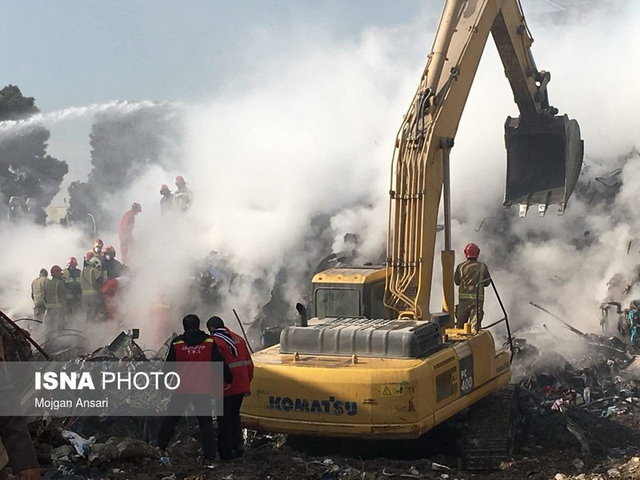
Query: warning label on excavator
[{"x": 392, "y": 389}]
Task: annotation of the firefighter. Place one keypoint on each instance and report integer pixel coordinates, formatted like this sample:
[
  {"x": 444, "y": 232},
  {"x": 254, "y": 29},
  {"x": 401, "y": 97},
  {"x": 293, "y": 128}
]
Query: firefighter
[
  {"x": 125, "y": 231},
  {"x": 471, "y": 277},
  {"x": 71, "y": 276},
  {"x": 55, "y": 299},
  {"x": 85, "y": 260},
  {"x": 182, "y": 197},
  {"x": 166, "y": 202},
  {"x": 98, "y": 245},
  {"x": 92, "y": 279},
  {"x": 112, "y": 267},
  {"x": 37, "y": 294},
  {"x": 193, "y": 345},
  {"x": 236, "y": 354}
]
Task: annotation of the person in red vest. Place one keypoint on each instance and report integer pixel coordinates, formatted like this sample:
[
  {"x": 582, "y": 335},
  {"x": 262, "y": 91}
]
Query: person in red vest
[
  {"x": 236, "y": 354},
  {"x": 125, "y": 230},
  {"x": 193, "y": 345}
]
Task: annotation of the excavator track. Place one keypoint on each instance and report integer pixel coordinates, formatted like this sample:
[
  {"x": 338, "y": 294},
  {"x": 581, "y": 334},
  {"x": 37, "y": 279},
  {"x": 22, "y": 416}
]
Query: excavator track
[{"x": 490, "y": 429}]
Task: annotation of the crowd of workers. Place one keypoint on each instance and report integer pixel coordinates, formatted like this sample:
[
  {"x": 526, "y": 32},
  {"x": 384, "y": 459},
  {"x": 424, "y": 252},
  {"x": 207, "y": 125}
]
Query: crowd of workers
[
  {"x": 90, "y": 289},
  {"x": 75, "y": 291}
]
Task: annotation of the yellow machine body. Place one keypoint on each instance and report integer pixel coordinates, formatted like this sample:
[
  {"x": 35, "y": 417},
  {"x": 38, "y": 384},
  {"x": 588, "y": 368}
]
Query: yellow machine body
[
  {"x": 375, "y": 361},
  {"x": 341, "y": 396},
  {"x": 360, "y": 394}
]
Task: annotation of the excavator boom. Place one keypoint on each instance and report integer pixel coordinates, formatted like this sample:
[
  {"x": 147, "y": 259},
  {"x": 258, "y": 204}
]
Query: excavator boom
[
  {"x": 544, "y": 151},
  {"x": 373, "y": 361}
]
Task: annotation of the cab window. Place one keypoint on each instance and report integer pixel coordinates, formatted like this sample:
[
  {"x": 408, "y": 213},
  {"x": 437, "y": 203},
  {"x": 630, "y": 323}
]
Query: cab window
[
  {"x": 334, "y": 302},
  {"x": 376, "y": 295}
]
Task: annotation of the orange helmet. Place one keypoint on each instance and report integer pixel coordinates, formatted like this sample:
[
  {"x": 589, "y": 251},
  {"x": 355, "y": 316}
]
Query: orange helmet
[
  {"x": 72, "y": 262},
  {"x": 56, "y": 271},
  {"x": 471, "y": 250}
]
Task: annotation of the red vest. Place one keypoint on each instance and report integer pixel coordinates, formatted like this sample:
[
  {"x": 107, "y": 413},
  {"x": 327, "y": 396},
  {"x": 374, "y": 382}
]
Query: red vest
[
  {"x": 239, "y": 361},
  {"x": 191, "y": 380}
]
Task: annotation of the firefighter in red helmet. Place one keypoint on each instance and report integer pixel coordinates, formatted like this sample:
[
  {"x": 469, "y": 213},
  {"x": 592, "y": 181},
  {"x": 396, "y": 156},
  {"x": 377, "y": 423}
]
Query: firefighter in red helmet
[
  {"x": 125, "y": 230},
  {"x": 182, "y": 197},
  {"x": 55, "y": 299},
  {"x": 71, "y": 276},
  {"x": 112, "y": 268},
  {"x": 472, "y": 277}
]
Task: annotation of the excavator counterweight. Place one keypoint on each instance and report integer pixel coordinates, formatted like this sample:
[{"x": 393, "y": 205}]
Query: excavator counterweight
[{"x": 544, "y": 158}]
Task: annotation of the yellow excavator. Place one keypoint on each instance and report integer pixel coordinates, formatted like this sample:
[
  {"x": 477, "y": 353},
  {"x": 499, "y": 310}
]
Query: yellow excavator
[{"x": 374, "y": 362}]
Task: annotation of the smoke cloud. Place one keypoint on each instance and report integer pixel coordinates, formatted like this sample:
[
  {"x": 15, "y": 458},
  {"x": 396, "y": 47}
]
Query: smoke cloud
[{"x": 283, "y": 167}]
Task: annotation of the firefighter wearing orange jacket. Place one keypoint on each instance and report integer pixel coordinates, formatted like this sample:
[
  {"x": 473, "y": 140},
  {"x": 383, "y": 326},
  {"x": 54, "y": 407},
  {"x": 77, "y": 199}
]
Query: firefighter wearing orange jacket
[{"x": 236, "y": 354}]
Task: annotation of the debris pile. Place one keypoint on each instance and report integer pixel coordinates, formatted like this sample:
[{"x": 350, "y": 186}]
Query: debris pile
[{"x": 580, "y": 413}]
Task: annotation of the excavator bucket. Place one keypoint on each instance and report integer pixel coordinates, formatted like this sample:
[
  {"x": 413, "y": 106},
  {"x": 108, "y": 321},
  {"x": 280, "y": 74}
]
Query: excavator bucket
[{"x": 544, "y": 158}]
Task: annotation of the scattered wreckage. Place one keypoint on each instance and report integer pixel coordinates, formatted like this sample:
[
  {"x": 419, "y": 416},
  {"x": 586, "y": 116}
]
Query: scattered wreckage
[{"x": 578, "y": 414}]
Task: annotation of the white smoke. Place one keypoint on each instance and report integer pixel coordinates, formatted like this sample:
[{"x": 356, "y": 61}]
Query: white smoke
[{"x": 313, "y": 137}]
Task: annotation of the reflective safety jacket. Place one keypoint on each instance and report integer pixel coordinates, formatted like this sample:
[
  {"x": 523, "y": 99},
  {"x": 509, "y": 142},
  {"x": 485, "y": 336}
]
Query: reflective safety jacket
[
  {"x": 236, "y": 354},
  {"x": 182, "y": 198},
  {"x": 37, "y": 290},
  {"x": 55, "y": 293},
  {"x": 471, "y": 277},
  {"x": 71, "y": 278},
  {"x": 91, "y": 280}
]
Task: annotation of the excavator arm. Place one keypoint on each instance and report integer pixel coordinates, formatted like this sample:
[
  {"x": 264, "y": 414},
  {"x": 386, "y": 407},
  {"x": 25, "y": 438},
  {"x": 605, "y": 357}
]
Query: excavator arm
[{"x": 544, "y": 150}]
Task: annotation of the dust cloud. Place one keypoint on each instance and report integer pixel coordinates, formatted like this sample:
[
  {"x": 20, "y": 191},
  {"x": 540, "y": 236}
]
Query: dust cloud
[{"x": 283, "y": 166}]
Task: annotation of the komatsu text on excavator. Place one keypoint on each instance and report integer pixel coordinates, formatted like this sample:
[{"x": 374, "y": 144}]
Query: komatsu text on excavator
[{"x": 374, "y": 362}]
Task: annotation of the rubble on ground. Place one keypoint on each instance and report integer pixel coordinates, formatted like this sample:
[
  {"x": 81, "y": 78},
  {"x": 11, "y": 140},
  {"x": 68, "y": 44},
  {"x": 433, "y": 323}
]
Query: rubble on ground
[{"x": 579, "y": 421}]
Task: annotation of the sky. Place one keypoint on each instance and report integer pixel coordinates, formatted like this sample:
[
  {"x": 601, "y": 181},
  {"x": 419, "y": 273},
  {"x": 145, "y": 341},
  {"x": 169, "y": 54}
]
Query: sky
[{"x": 79, "y": 52}]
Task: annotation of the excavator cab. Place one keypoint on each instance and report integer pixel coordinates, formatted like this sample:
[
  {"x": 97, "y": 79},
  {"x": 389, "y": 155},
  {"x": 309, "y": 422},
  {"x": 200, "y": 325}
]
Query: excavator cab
[{"x": 544, "y": 158}]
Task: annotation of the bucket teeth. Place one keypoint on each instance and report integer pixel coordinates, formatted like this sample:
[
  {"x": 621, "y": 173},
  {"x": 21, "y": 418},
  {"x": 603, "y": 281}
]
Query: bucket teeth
[{"x": 544, "y": 158}]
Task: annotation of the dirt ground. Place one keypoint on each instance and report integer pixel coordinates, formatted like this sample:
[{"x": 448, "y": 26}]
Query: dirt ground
[
  {"x": 545, "y": 449},
  {"x": 560, "y": 435}
]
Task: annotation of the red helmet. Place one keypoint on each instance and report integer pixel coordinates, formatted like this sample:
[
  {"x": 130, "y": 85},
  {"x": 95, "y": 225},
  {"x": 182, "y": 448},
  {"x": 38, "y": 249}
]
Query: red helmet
[
  {"x": 88, "y": 256},
  {"x": 56, "y": 270},
  {"x": 471, "y": 250},
  {"x": 110, "y": 251},
  {"x": 180, "y": 180},
  {"x": 72, "y": 262},
  {"x": 98, "y": 241},
  {"x": 164, "y": 188}
]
